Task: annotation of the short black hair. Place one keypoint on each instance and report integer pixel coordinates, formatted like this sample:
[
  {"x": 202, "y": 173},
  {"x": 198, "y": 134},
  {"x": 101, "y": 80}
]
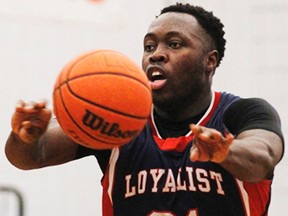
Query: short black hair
[{"x": 211, "y": 24}]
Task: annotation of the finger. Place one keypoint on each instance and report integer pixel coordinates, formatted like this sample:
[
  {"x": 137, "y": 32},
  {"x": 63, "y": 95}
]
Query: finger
[
  {"x": 33, "y": 107},
  {"x": 196, "y": 129},
  {"x": 194, "y": 154},
  {"x": 40, "y": 105},
  {"x": 216, "y": 136},
  {"x": 205, "y": 134},
  {"x": 223, "y": 149},
  {"x": 202, "y": 151},
  {"x": 211, "y": 136},
  {"x": 19, "y": 106}
]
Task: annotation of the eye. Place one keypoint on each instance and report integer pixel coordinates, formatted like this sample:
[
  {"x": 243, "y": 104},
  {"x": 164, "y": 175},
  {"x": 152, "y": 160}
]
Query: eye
[
  {"x": 175, "y": 44},
  {"x": 149, "y": 46}
]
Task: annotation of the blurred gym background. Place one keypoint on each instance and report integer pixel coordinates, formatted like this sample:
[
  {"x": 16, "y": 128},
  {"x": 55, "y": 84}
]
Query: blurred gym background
[{"x": 39, "y": 37}]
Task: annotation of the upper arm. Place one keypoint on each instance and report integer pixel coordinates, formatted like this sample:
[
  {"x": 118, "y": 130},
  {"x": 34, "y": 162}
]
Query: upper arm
[
  {"x": 256, "y": 118},
  {"x": 258, "y": 144}
]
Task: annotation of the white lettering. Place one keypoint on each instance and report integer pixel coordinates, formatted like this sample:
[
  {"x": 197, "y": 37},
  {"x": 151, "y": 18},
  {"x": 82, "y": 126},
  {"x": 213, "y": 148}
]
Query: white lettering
[
  {"x": 170, "y": 185},
  {"x": 192, "y": 179},
  {"x": 202, "y": 175},
  {"x": 142, "y": 179},
  {"x": 156, "y": 175},
  {"x": 129, "y": 191},
  {"x": 189, "y": 171},
  {"x": 180, "y": 186},
  {"x": 218, "y": 179}
]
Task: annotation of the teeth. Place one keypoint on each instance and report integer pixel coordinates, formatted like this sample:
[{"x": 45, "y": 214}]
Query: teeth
[{"x": 156, "y": 73}]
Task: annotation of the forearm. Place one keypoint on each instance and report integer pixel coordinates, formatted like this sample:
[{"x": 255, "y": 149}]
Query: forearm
[
  {"x": 253, "y": 157},
  {"x": 52, "y": 148},
  {"x": 37, "y": 140},
  {"x": 22, "y": 155}
]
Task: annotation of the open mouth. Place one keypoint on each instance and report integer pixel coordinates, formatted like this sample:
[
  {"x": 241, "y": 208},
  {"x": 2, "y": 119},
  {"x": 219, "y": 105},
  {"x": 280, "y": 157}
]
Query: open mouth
[
  {"x": 155, "y": 73},
  {"x": 157, "y": 77}
]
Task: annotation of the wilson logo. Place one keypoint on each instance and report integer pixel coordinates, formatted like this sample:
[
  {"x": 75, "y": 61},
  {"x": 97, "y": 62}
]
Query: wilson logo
[{"x": 110, "y": 129}]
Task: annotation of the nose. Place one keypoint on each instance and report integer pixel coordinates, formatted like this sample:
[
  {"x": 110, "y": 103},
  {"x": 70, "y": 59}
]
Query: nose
[{"x": 159, "y": 55}]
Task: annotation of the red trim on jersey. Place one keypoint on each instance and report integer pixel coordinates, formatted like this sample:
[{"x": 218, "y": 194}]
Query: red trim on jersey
[
  {"x": 179, "y": 144},
  {"x": 176, "y": 144},
  {"x": 259, "y": 197},
  {"x": 217, "y": 97},
  {"x": 107, "y": 207},
  {"x": 108, "y": 184}
]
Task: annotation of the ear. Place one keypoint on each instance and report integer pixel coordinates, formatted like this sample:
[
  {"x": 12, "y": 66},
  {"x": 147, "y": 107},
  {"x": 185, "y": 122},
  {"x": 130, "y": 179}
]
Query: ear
[{"x": 212, "y": 61}]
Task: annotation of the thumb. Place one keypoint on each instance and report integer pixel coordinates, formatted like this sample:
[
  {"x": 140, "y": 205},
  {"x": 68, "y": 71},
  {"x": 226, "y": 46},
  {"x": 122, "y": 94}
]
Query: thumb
[{"x": 229, "y": 138}]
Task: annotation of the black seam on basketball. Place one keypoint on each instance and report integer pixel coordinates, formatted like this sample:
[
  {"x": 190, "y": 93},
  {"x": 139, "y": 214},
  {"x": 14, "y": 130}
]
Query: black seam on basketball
[
  {"x": 101, "y": 106},
  {"x": 107, "y": 62},
  {"x": 104, "y": 73},
  {"x": 78, "y": 126}
]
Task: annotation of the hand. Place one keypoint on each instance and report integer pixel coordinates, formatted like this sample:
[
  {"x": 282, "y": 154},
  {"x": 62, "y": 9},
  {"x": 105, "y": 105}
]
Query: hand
[
  {"x": 209, "y": 144},
  {"x": 30, "y": 120}
]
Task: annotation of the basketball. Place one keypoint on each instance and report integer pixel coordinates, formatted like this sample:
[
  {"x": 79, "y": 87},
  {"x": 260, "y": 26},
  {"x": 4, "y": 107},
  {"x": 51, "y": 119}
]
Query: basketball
[{"x": 102, "y": 99}]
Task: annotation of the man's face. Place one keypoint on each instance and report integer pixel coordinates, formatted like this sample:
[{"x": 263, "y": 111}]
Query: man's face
[{"x": 174, "y": 59}]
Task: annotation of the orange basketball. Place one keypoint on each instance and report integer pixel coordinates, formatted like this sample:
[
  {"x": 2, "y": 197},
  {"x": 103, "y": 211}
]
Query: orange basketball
[{"x": 102, "y": 99}]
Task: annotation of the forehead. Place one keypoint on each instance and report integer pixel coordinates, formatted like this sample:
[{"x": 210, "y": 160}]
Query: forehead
[{"x": 175, "y": 22}]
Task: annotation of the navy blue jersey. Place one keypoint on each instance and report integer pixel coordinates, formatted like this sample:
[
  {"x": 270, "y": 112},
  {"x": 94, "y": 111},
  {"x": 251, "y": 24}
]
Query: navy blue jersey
[{"x": 154, "y": 176}]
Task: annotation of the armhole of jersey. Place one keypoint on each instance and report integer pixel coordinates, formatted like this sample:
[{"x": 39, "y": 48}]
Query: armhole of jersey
[
  {"x": 255, "y": 196},
  {"x": 108, "y": 183},
  {"x": 244, "y": 197}
]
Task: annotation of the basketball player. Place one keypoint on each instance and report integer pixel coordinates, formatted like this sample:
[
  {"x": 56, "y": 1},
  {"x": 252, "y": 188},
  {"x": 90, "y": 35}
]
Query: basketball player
[{"x": 202, "y": 153}]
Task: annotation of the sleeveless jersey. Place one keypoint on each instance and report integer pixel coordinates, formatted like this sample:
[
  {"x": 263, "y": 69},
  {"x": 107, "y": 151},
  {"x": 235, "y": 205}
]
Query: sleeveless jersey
[{"x": 152, "y": 176}]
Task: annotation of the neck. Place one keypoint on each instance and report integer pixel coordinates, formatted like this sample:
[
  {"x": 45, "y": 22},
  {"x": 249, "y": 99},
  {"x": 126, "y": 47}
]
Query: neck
[{"x": 185, "y": 110}]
